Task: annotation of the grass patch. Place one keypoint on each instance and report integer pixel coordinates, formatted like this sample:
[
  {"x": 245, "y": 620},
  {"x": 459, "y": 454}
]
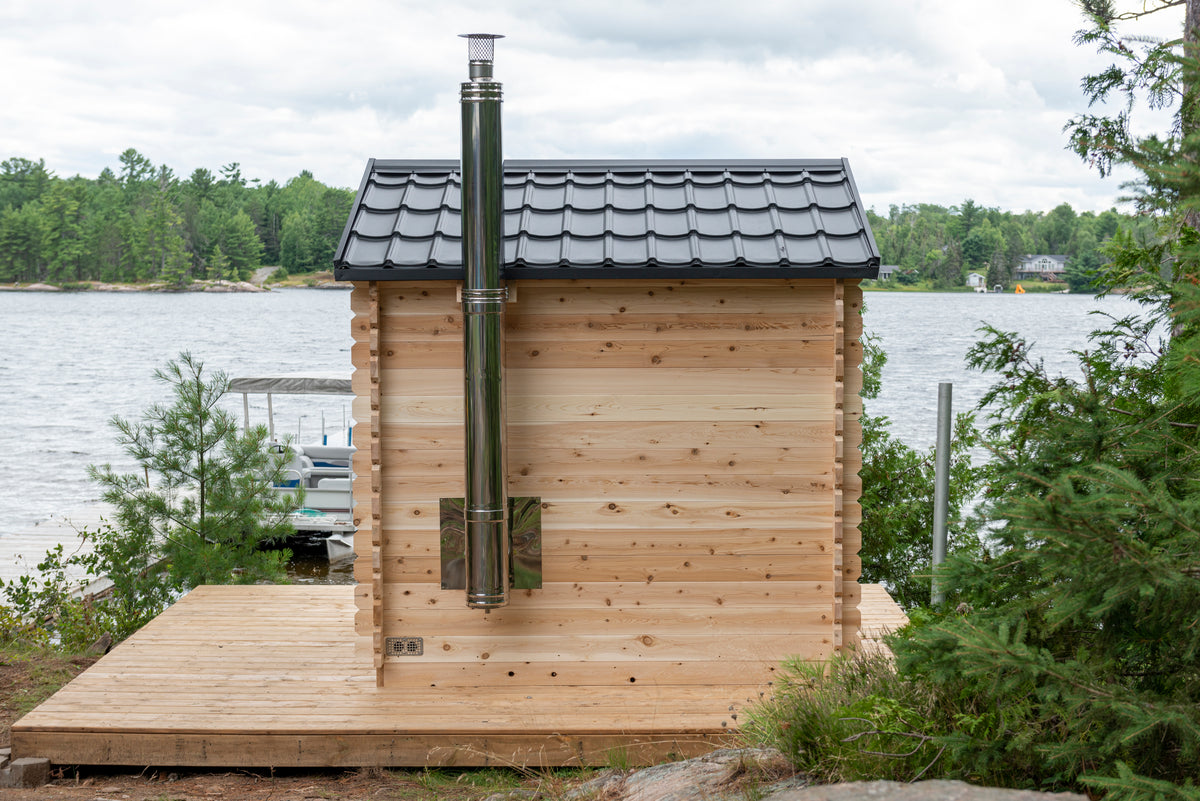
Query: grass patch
[{"x": 30, "y": 675}]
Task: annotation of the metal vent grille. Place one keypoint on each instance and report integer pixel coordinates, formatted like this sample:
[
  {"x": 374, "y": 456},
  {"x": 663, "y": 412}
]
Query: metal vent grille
[
  {"x": 481, "y": 46},
  {"x": 403, "y": 646}
]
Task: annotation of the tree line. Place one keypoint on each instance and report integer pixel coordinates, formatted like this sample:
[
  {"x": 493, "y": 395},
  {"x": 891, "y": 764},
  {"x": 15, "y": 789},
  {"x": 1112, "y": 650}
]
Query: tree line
[
  {"x": 143, "y": 223},
  {"x": 938, "y": 246}
]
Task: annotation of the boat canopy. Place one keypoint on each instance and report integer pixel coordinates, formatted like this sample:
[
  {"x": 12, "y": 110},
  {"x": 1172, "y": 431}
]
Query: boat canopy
[
  {"x": 295, "y": 384},
  {"x": 292, "y": 385}
]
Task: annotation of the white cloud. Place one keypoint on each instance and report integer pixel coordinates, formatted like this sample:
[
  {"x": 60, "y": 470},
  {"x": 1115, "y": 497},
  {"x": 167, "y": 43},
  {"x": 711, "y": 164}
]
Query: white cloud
[{"x": 932, "y": 100}]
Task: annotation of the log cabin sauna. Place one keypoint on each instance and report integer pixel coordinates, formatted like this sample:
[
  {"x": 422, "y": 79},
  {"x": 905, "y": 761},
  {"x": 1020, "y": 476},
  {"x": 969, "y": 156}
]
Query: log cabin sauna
[
  {"x": 676, "y": 437},
  {"x": 606, "y": 479}
]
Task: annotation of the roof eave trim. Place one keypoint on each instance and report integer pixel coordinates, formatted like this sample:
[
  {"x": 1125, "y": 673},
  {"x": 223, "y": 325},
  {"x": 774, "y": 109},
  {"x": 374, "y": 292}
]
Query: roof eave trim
[{"x": 344, "y": 243}]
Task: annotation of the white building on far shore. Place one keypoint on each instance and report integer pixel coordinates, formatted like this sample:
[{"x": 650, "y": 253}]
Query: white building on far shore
[{"x": 1043, "y": 267}]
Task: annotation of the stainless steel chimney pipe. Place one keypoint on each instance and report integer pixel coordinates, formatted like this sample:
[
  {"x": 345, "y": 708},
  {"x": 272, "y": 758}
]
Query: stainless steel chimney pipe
[{"x": 483, "y": 299}]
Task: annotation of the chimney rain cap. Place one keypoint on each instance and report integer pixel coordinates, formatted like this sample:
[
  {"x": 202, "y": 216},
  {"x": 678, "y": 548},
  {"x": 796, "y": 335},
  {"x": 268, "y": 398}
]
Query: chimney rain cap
[{"x": 480, "y": 46}]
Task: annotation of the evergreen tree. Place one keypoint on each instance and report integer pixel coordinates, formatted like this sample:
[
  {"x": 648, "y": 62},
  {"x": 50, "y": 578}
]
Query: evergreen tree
[
  {"x": 1074, "y": 658},
  {"x": 24, "y": 243},
  {"x": 202, "y": 499},
  {"x": 1069, "y": 656},
  {"x": 63, "y": 207},
  {"x": 22, "y": 181},
  {"x": 219, "y": 267},
  {"x": 242, "y": 246}
]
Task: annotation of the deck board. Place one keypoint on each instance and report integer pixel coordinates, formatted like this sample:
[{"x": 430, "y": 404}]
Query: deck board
[{"x": 270, "y": 676}]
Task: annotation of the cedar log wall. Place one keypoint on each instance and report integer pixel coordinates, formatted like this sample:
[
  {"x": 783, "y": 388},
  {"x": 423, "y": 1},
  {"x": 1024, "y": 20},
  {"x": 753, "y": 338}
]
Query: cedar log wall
[{"x": 696, "y": 448}]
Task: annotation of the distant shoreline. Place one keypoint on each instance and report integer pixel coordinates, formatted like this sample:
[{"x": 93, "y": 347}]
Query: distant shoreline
[{"x": 324, "y": 281}]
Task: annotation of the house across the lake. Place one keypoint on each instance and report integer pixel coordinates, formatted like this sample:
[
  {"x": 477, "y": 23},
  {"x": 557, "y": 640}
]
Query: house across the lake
[
  {"x": 1042, "y": 267},
  {"x": 977, "y": 282}
]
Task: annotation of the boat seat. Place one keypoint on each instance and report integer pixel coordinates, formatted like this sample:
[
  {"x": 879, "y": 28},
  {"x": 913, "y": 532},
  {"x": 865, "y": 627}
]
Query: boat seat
[
  {"x": 298, "y": 471},
  {"x": 329, "y": 455},
  {"x": 334, "y": 484}
]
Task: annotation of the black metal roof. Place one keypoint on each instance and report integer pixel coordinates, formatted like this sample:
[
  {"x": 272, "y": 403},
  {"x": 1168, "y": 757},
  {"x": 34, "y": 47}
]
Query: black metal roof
[{"x": 618, "y": 219}]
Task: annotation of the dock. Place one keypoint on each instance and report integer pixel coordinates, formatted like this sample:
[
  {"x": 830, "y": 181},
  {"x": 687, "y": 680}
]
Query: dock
[
  {"x": 274, "y": 676},
  {"x": 22, "y": 547}
]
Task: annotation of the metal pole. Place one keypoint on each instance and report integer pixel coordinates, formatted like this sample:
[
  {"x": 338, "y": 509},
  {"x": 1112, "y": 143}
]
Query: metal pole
[{"x": 941, "y": 485}]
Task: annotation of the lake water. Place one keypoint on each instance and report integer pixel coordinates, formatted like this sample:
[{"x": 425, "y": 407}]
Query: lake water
[
  {"x": 69, "y": 362},
  {"x": 927, "y": 335}
]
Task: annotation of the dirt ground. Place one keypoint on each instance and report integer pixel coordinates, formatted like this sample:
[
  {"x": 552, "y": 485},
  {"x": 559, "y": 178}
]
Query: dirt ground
[
  {"x": 27, "y": 679},
  {"x": 362, "y": 785}
]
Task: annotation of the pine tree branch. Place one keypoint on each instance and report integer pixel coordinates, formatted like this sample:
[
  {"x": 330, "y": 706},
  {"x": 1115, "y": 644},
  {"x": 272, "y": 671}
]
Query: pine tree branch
[
  {"x": 1146, "y": 11},
  {"x": 1168, "y": 422}
]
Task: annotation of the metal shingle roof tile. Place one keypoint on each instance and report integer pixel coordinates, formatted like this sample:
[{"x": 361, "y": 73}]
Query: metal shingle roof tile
[
  {"x": 416, "y": 224},
  {"x": 367, "y": 251},
  {"x": 709, "y": 197},
  {"x": 541, "y": 223},
  {"x": 630, "y": 198},
  {"x": 426, "y": 198},
  {"x": 754, "y": 223},
  {"x": 842, "y": 222},
  {"x": 628, "y": 251},
  {"x": 669, "y": 197},
  {"x": 446, "y": 252},
  {"x": 714, "y": 223},
  {"x": 668, "y": 224},
  {"x": 549, "y": 197},
  {"x": 761, "y": 250},
  {"x": 586, "y": 223},
  {"x": 376, "y": 224},
  {"x": 379, "y": 196},
  {"x": 798, "y": 223},
  {"x": 630, "y": 223},
  {"x": 750, "y": 196},
  {"x": 833, "y": 196},
  {"x": 717, "y": 250}
]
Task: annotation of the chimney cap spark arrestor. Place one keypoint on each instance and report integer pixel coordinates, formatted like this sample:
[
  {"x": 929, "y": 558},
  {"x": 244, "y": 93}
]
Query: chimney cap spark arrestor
[{"x": 480, "y": 52}]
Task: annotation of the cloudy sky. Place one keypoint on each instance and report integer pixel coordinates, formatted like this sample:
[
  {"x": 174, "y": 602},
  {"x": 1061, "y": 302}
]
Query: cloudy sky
[{"x": 932, "y": 101}]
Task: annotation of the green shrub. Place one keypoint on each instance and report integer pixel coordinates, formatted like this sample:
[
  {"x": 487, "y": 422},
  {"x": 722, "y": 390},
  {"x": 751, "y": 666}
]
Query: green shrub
[
  {"x": 45, "y": 608},
  {"x": 852, "y": 719}
]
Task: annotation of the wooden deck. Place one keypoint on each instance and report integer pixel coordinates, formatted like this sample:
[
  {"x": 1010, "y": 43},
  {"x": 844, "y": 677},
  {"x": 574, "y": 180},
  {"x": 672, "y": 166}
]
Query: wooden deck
[{"x": 274, "y": 676}]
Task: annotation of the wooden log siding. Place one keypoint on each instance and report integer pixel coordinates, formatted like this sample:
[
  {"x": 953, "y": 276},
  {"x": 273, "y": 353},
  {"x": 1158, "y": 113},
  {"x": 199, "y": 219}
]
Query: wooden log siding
[{"x": 695, "y": 446}]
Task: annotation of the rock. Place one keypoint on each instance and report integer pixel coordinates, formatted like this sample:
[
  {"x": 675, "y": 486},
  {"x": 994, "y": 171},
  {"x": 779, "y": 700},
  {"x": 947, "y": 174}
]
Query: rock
[
  {"x": 764, "y": 773},
  {"x": 26, "y": 772},
  {"x": 934, "y": 790},
  {"x": 101, "y": 646},
  {"x": 229, "y": 286},
  {"x": 700, "y": 779},
  {"x": 606, "y": 785},
  {"x": 520, "y": 794}
]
